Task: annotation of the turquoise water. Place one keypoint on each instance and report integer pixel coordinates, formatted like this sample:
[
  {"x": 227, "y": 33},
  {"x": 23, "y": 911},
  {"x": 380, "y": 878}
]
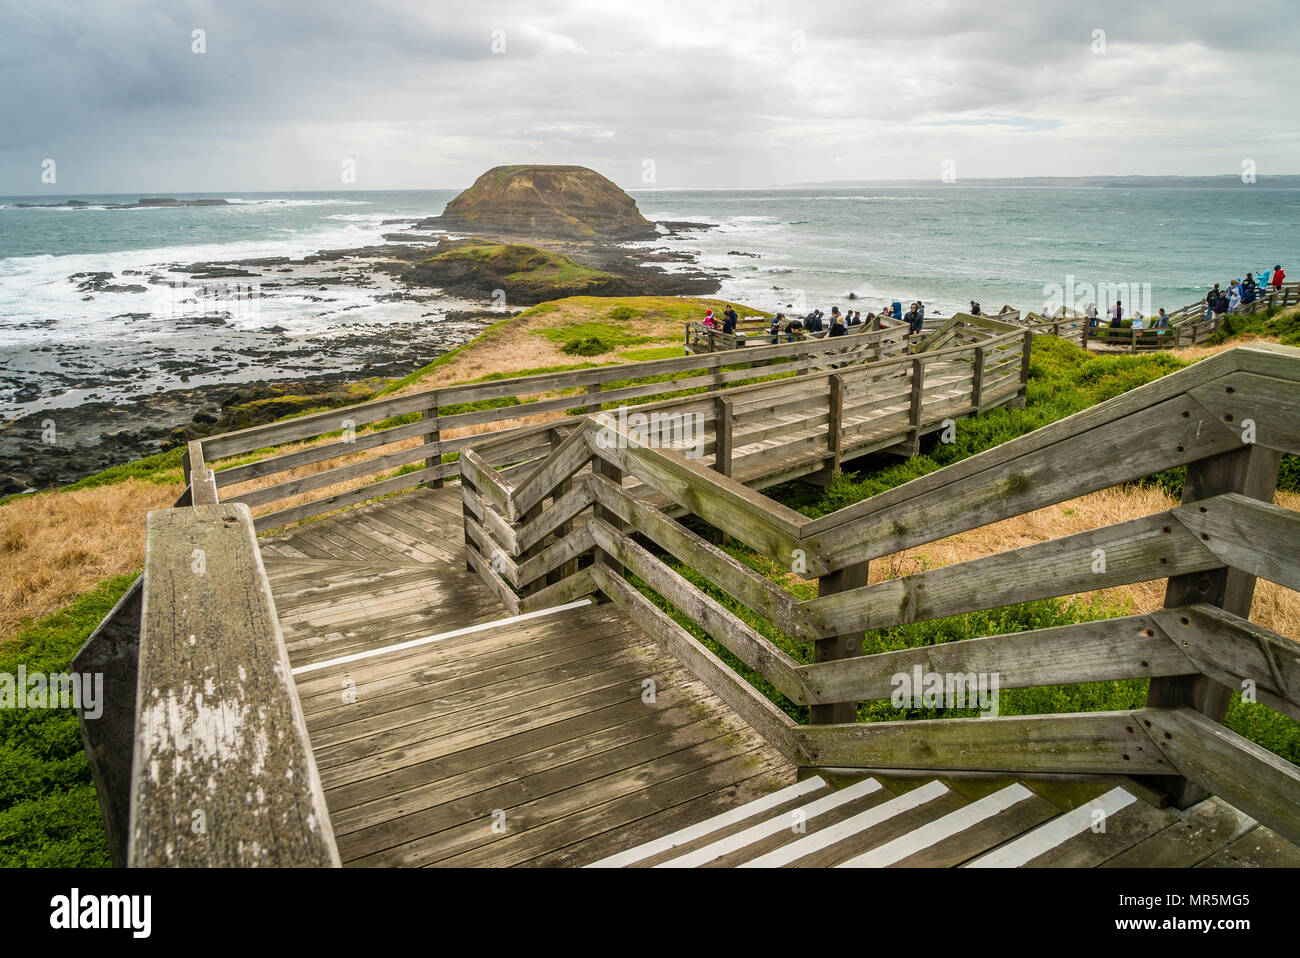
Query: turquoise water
[
  {"x": 813, "y": 248},
  {"x": 948, "y": 246}
]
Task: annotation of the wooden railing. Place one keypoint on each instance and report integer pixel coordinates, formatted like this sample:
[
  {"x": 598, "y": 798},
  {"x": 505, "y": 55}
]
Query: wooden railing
[
  {"x": 583, "y": 519},
  {"x": 414, "y": 435},
  {"x": 709, "y": 339}
]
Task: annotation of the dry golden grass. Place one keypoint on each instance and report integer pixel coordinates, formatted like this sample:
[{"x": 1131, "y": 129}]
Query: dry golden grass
[{"x": 57, "y": 545}]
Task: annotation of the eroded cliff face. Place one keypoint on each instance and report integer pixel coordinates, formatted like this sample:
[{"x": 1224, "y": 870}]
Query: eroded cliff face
[{"x": 565, "y": 202}]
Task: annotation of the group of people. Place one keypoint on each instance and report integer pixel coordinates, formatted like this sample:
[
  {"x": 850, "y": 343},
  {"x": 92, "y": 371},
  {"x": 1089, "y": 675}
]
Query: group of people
[
  {"x": 1243, "y": 292},
  {"x": 1218, "y": 301},
  {"x": 837, "y": 324}
]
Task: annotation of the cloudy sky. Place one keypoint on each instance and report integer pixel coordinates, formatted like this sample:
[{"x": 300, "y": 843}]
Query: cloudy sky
[{"x": 702, "y": 93}]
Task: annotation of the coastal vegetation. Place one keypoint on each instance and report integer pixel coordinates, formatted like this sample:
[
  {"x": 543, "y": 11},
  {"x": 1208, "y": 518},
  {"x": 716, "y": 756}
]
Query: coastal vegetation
[{"x": 70, "y": 553}]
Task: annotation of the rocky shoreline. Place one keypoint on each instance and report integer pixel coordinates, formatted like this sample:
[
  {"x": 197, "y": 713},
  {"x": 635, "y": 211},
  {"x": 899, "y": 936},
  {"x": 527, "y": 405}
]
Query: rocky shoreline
[{"x": 200, "y": 359}]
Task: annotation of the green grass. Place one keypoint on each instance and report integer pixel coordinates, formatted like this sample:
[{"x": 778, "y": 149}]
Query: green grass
[
  {"x": 519, "y": 262},
  {"x": 49, "y": 816},
  {"x": 1274, "y": 321}
]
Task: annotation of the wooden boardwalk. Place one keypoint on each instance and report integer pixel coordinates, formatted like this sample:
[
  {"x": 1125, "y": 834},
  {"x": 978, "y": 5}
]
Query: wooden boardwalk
[
  {"x": 446, "y": 734},
  {"x": 529, "y": 742}
]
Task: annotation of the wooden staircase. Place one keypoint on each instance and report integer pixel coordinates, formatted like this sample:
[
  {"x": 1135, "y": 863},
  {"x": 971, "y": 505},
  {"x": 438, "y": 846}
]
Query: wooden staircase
[{"x": 892, "y": 822}]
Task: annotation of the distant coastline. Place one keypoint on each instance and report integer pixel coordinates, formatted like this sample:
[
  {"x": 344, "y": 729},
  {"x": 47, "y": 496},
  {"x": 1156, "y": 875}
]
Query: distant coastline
[{"x": 1225, "y": 182}]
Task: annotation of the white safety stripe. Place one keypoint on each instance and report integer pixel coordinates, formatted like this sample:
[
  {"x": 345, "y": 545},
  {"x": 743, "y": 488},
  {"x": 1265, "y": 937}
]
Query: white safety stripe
[
  {"x": 832, "y": 834},
  {"x": 1056, "y": 832},
  {"x": 455, "y": 633},
  {"x": 773, "y": 826},
  {"x": 936, "y": 831},
  {"x": 692, "y": 832}
]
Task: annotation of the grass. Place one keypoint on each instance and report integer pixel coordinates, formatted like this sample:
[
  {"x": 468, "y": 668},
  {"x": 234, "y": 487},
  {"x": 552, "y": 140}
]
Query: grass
[
  {"x": 49, "y": 816},
  {"x": 520, "y": 263}
]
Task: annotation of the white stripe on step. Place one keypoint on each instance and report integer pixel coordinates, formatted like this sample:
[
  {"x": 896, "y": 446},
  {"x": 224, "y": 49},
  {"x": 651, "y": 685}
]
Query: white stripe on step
[
  {"x": 454, "y": 633},
  {"x": 1056, "y": 832},
  {"x": 936, "y": 831},
  {"x": 773, "y": 826},
  {"x": 692, "y": 832},
  {"x": 832, "y": 834}
]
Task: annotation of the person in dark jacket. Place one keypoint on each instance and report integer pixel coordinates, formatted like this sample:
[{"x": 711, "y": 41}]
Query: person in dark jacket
[
  {"x": 775, "y": 328},
  {"x": 1117, "y": 315},
  {"x": 837, "y": 326},
  {"x": 729, "y": 320}
]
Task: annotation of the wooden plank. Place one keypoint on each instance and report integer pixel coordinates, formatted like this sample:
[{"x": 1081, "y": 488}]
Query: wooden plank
[
  {"x": 112, "y": 651},
  {"x": 1249, "y": 469},
  {"x": 757, "y": 592},
  {"x": 1259, "y": 848},
  {"x": 729, "y": 631},
  {"x": 202, "y": 483},
  {"x": 1097, "y": 742},
  {"x": 1105, "y": 650},
  {"x": 1119, "y": 451},
  {"x": 1249, "y": 777},
  {"x": 374, "y": 490},
  {"x": 219, "y": 729},
  {"x": 722, "y": 502},
  {"x": 840, "y": 647},
  {"x": 1134, "y": 551},
  {"x": 761, "y": 715},
  {"x": 1250, "y": 536},
  {"x": 1202, "y": 830},
  {"x": 1237, "y": 654}
]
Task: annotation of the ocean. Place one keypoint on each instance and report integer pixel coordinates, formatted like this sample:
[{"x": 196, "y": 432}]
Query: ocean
[{"x": 807, "y": 247}]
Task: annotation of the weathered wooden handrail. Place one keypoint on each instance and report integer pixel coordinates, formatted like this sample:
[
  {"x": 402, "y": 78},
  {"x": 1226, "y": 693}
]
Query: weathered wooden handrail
[
  {"x": 223, "y": 773},
  {"x": 1226, "y": 532}
]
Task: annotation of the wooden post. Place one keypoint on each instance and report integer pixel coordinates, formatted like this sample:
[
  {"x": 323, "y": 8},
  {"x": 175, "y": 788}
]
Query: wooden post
[
  {"x": 434, "y": 438},
  {"x": 977, "y": 386},
  {"x": 615, "y": 475},
  {"x": 722, "y": 435},
  {"x": 1250, "y": 471},
  {"x": 835, "y": 424},
  {"x": 203, "y": 482},
  {"x": 914, "y": 416},
  {"x": 844, "y": 646},
  {"x": 1024, "y": 368},
  {"x": 722, "y": 452},
  {"x": 593, "y": 390}
]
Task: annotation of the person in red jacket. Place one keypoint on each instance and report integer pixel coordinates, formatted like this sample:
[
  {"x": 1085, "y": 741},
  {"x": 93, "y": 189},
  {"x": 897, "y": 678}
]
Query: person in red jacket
[{"x": 1279, "y": 274}]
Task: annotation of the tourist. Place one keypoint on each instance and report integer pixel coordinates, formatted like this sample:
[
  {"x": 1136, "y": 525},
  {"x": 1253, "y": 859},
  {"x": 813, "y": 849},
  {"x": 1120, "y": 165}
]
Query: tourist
[
  {"x": 1116, "y": 315},
  {"x": 1162, "y": 320},
  {"x": 1262, "y": 279},
  {"x": 794, "y": 330},
  {"x": 837, "y": 324},
  {"x": 920, "y": 312},
  {"x": 974, "y": 308},
  {"x": 775, "y": 328},
  {"x": 729, "y": 320},
  {"x": 913, "y": 321},
  {"x": 897, "y": 309},
  {"x": 1221, "y": 304},
  {"x": 1234, "y": 296},
  {"x": 1091, "y": 314},
  {"x": 1137, "y": 320},
  {"x": 1279, "y": 274},
  {"x": 1211, "y": 298},
  {"x": 709, "y": 321}
]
